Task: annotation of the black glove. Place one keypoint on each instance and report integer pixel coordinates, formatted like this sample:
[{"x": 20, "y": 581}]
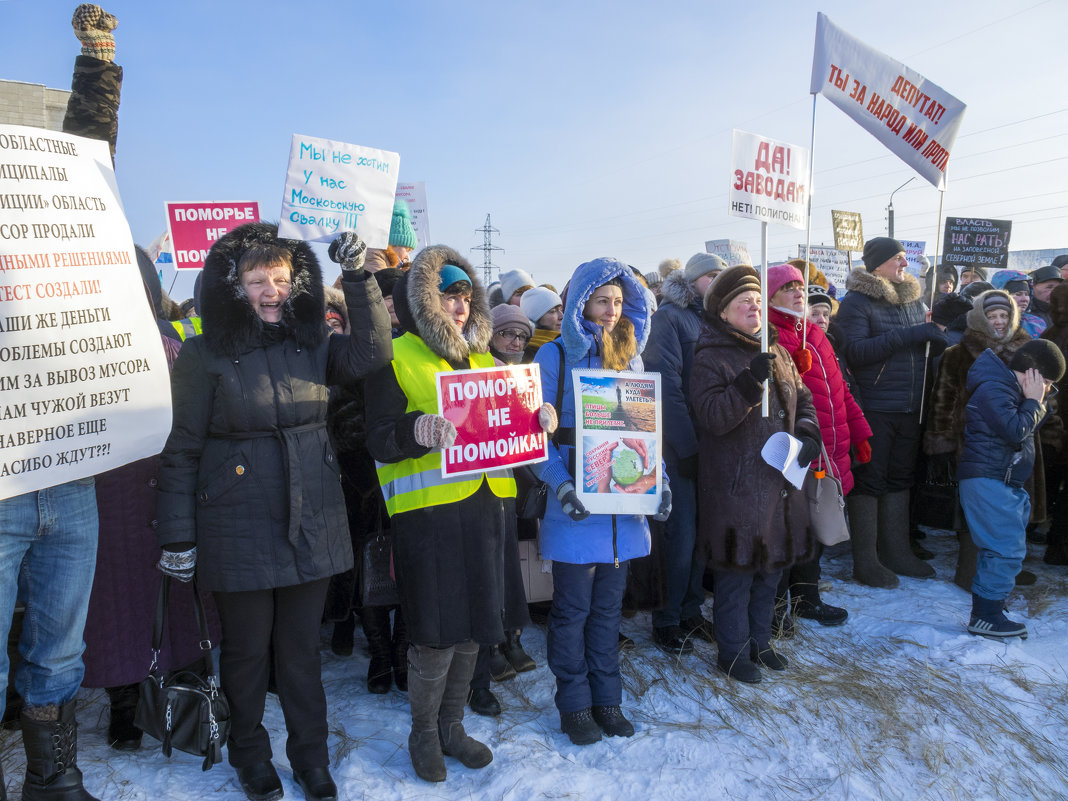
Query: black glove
[
  {"x": 350, "y": 252},
  {"x": 810, "y": 449},
  {"x": 925, "y": 332},
  {"x": 760, "y": 366},
  {"x": 663, "y": 512},
  {"x": 570, "y": 503}
]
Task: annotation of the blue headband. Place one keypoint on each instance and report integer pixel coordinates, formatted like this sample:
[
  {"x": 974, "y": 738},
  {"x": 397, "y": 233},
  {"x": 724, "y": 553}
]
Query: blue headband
[{"x": 450, "y": 274}]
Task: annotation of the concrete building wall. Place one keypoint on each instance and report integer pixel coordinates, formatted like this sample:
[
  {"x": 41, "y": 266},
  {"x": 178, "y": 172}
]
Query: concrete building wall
[{"x": 32, "y": 104}]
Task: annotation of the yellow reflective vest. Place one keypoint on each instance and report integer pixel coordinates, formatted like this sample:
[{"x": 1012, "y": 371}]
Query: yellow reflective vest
[
  {"x": 418, "y": 483},
  {"x": 187, "y": 327}
]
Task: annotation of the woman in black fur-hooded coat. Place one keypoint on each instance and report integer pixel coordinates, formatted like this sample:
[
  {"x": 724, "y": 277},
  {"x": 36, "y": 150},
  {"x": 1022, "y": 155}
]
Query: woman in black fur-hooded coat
[{"x": 249, "y": 476}]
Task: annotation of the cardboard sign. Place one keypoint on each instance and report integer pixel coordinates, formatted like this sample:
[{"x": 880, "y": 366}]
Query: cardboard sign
[
  {"x": 415, "y": 195},
  {"x": 495, "y": 411},
  {"x": 333, "y": 187},
  {"x": 618, "y": 441},
  {"x": 974, "y": 241},
  {"x": 914, "y": 252},
  {"x": 195, "y": 227},
  {"x": 732, "y": 251},
  {"x": 769, "y": 180},
  {"x": 915, "y": 118},
  {"x": 848, "y": 230},
  {"x": 833, "y": 263},
  {"x": 83, "y": 375}
]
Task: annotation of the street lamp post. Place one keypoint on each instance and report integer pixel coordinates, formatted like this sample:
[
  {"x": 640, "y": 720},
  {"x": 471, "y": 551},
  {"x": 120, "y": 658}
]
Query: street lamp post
[{"x": 890, "y": 208}]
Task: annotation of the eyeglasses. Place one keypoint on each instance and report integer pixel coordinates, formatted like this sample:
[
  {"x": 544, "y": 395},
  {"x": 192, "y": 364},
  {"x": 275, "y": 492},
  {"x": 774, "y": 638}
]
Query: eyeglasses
[
  {"x": 1052, "y": 391},
  {"x": 512, "y": 335}
]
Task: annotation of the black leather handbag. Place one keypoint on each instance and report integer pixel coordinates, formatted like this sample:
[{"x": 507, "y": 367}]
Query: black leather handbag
[{"x": 184, "y": 710}]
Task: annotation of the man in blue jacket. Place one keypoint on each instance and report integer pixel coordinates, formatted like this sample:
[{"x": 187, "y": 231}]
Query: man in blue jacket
[
  {"x": 673, "y": 333},
  {"x": 1005, "y": 408}
]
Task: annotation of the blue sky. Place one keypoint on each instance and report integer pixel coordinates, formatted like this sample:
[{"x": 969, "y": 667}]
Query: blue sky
[{"x": 585, "y": 128}]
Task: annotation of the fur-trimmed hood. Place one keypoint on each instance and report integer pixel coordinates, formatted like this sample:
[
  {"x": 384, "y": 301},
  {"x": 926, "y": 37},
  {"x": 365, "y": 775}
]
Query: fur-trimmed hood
[
  {"x": 417, "y": 303},
  {"x": 980, "y": 334},
  {"x": 334, "y": 299},
  {"x": 576, "y": 332},
  {"x": 230, "y": 324},
  {"x": 677, "y": 291},
  {"x": 878, "y": 288}
]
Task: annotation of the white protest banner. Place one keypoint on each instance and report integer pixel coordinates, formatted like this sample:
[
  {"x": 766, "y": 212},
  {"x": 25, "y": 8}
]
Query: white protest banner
[
  {"x": 83, "y": 376},
  {"x": 915, "y": 118},
  {"x": 732, "y": 251},
  {"x": 848, "y": 230},
  {"x": 415, "y": 196},
  {"x": 495, "y": 411},
  {"x": 833, "y": 263},
  {"x": 914, "y": 252},
  {"x": 769, "y": 180},
  {"x": 333, "y": 187},
  {"x": 195, "y": 227},
  {"x": 618, "y": 441}
]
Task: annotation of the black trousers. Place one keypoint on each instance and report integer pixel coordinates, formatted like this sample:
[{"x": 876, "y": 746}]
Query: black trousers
[
  {"x": 895, "y": 444},
  {"x": 285, "y": 621}
]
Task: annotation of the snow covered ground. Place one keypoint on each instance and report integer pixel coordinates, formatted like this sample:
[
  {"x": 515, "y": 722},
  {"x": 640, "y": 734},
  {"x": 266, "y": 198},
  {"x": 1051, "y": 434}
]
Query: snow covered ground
[{"x": 900, "y": 703}]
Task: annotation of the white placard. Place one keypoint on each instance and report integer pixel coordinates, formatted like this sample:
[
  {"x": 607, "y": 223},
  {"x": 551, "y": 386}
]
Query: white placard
[
  {"x": 83, "y": 376},
  {"x": 914, "y": 117},
  {"x": 618, "y": 442},
  {"x": 732, "y": 251},
  {"x": 833, "y": 263},
  {"x": 768, "y": 181},
  {"x": 415, "y": 196},
  {"x": 333, "y": 187},
  {"x": 914, "y": 252}
]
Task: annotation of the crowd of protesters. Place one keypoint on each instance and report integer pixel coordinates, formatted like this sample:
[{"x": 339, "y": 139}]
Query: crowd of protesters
[{"x": 306, "y": 426}]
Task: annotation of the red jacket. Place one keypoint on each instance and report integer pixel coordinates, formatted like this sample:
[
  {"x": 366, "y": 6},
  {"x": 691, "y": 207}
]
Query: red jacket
[{"x": 842, "y": 423}]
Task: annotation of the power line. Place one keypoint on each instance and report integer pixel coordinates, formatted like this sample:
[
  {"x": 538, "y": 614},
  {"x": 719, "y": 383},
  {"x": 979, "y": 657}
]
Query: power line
[{"x": 487, "y": 247}]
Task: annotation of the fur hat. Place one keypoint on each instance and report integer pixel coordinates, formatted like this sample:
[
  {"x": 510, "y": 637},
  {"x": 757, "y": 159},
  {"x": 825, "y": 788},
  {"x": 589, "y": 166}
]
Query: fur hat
[
  {"x": 669, "y": 266},
  {"x": 335, "y": 307},
  {"x": 1047, "y": 273},
  {"x": 815, "y": 275},
  {"x": 880, "y": 250},
  {"x": 780, "y": 275},
  {"x": 507, "y": 315},
  {"x": 230, "y": 324},
  {"x": 703, "y": 264},
  {"x": 728, "y": 285},
  {"x": 512, "y": 281},
  {"x": 401, "y": 232},
  {"x": 1042, "y": 355},
  {"x": 417, "y": 304},
  {"x": 537, "y": 301}
]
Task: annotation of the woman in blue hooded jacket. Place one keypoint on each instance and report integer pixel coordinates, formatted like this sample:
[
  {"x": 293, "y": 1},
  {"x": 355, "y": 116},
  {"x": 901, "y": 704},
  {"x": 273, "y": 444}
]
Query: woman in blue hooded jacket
[{"x": 605, "y": 326}]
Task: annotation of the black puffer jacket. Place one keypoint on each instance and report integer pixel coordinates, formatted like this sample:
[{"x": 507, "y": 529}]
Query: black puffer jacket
[
  {"x": 248, "y": 472},
  {"x": 672, "y": 336},
  {"x": 883, "y": 338}
]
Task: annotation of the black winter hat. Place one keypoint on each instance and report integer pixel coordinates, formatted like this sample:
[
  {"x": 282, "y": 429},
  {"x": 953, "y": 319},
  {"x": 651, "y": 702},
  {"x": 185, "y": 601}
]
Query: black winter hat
[
  {"x": 1060, "y": 261},
  {"x": 949, "y": 309},
  {"x": 980, "y": 272},
  {"x": 1042, "y": 355},
  {"x": 975, "y": 289},
  {"x": 1048, "y": 273},
  {"x": 880, "y": 250},
  {"x": 387, "y": 279}
]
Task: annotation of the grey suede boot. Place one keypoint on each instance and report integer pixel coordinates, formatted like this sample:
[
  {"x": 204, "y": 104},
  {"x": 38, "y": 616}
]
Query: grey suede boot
[
  {"x": 454, "y": 740},
  {"x": 863, "y": 531},
  {"x": 893, "y": 540},
  {"x": 428, "y": 673},
  {"x": 967, "y": 561},
  {"x": 50, "y": 737}
]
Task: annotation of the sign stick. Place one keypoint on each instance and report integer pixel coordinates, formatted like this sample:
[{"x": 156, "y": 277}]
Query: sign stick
[
  {"x": 764, "y": 308},
  {"x": 808, "y": 223},
  {"x": 934, "y": 283}
]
